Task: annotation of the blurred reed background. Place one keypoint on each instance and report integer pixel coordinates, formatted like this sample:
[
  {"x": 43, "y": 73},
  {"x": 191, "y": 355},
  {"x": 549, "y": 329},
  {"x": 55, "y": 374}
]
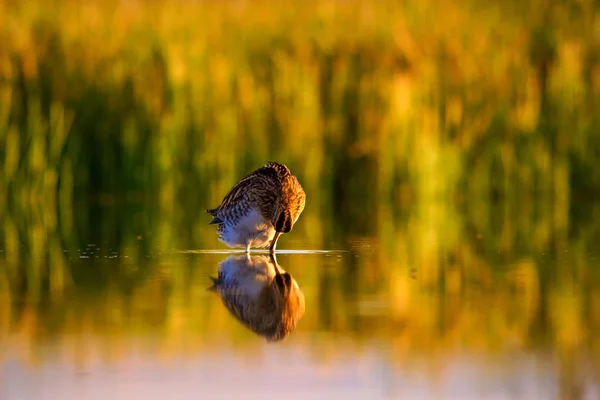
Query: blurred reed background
[{"x": 458, "y": 139}]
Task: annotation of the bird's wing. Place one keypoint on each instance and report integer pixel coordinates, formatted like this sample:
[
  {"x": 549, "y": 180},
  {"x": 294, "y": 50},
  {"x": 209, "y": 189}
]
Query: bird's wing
[{"x": 260, "y": 188}]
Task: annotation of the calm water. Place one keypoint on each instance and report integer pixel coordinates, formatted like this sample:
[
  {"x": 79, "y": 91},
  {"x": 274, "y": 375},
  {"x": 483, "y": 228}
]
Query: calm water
[{"x": 431, "y": 305}]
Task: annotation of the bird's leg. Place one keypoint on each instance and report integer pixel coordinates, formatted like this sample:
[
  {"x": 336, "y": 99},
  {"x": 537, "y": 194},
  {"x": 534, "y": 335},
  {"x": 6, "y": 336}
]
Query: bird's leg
[
  {"x": 273, "y": 258},
  {"x": 247, "y": 248},
  {"x": 275, "y": 264},
  {"x": 274, "y": 242}
]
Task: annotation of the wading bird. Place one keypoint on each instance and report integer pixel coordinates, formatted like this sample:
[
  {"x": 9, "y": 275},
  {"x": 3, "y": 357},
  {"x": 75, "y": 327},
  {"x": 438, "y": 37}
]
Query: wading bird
[{"x": 259, "y": 208}]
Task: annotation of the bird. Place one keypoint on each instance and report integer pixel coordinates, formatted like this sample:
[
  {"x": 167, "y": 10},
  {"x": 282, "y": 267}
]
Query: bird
[
  {"x": 260, "y": 295},
  {"x": 259, "y": 208}
]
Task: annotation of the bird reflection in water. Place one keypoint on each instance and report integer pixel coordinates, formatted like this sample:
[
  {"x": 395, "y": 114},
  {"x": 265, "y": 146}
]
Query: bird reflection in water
[{"x": 261, "y": 295}]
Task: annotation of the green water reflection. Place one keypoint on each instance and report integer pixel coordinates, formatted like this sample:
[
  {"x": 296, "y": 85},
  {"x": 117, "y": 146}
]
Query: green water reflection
[{"x": 432, "y": 285}]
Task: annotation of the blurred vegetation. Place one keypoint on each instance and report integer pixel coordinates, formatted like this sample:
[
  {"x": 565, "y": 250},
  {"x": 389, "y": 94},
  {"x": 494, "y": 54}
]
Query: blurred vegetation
[
  {"x": 391, "y": 99},
  {"x": 454, "y": 138}
]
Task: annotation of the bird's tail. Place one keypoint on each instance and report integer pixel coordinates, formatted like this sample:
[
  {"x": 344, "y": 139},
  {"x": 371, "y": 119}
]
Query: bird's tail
[
  {"x": 216, "y": 220},
  {"x": 215, "y": 284}
]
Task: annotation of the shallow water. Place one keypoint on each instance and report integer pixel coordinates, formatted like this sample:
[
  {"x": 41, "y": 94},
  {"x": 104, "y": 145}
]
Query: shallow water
[{"x": 423, "y": 310}]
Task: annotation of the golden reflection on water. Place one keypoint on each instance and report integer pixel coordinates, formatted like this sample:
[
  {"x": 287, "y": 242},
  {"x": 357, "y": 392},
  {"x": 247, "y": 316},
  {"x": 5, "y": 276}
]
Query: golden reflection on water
[{"x": 432, "y": 299}]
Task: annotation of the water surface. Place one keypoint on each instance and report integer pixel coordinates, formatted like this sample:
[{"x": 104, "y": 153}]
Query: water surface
[{"x": 430, "y": 307}]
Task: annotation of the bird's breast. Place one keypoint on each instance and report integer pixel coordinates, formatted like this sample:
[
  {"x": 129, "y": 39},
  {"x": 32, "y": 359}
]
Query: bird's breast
[{"x": 251, "y": 227}]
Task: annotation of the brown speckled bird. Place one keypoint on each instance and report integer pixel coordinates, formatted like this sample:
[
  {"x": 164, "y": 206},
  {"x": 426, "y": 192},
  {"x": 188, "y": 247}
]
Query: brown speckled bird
[
  {"x": 260, "y": 295},
  {"x": 259, "y": 208}
]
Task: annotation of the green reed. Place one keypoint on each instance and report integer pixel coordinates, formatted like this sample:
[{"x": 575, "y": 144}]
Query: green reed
[{"x": 361, "y": 100}]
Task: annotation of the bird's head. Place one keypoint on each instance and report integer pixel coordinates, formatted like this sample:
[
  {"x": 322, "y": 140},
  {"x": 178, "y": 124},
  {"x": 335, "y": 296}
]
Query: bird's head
[{"x": 291, "y": 206}]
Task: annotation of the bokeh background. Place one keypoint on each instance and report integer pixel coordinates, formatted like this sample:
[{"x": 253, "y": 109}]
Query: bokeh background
[{"x": 452, "y": 140}]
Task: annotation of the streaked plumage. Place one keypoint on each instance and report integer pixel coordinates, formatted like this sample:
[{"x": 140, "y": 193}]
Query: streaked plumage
[
  {"x": 264, "y": 298},
  {"x": 260, "y": 207}
]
